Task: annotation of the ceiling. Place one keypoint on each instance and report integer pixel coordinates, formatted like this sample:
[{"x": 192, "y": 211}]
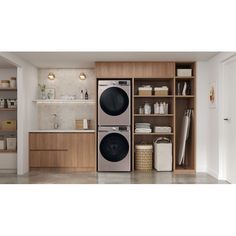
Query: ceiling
[
  {"x": 5, "y": 64},
  {"x": 87, "y": 59}
]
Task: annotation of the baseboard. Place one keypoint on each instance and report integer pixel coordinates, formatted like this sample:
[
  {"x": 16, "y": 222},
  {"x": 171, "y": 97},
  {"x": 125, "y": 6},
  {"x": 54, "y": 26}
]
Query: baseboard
[{"x": 212, "y": 173}]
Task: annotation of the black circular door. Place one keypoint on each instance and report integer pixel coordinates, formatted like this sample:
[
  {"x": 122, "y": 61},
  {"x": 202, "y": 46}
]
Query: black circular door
[
  {"x": 114, "y": 101},
  {"x": 114, "y": 147}
]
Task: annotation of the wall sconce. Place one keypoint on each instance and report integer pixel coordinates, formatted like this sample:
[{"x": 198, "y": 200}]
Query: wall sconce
[
  {"x": 51, "y": 76},
  {"x": 82, "y": 76}
]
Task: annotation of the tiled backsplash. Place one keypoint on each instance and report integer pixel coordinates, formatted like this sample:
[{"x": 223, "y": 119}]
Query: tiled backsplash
[{"x": 67, "y": 82}]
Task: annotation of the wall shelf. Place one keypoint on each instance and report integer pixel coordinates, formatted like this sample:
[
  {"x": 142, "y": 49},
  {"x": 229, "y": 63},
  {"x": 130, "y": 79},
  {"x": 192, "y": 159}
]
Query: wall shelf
[
  {"x": 157, "y": 134},
  {"x": 8, "y": 89},
  {"x": 61, "y": 101},
  {"x": 8, "y": 151},
  {"x": 7, "y": 109},
  {"x": 187, "y": 96},
  {"x": 153, "y": 96},
  {"x": 157, "y": 115}
]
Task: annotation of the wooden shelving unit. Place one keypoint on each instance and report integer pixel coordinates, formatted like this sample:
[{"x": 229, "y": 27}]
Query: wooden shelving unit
[
  {"x": 177, "y": 105},
  {"x": 159, "y": 74}
]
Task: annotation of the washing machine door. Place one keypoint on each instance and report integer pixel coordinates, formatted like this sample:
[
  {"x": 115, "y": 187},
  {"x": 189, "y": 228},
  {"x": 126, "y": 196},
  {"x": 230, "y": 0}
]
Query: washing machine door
[
  {"x": 114, "y": 147},
  {"x": 114, "y": 101}
]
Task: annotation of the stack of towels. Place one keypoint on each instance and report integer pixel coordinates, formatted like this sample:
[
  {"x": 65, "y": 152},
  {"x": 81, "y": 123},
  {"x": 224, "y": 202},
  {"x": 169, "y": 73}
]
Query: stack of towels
[{"x": 143, "y": 128}]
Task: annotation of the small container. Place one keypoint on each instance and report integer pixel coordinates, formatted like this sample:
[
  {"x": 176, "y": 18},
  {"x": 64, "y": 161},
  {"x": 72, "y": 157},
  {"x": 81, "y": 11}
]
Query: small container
[
  {"x": 11, "y": 103},
  {"x": 2, "y": 103},
  {"x": 5, "y": 84},
  {"x": 11, "y": 143},
  {"x": 86, "y": 95},
  {"x": 140, "y": 110},
  {"x": 147, "y": 108},
  {"x": 184, "y": 72},
  {"x": 156, "y": 108},
  {"x": 13, "y": 82},
  {"x": 82, "y": 124},
  {"x": 2, "y": 144},
  {"x": 145, "y": 90},
  {"x": 161, "y": 91}
]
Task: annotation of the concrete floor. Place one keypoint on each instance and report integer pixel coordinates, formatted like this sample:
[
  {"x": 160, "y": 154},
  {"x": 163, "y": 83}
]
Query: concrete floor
[{"x": 51, "y": 176}]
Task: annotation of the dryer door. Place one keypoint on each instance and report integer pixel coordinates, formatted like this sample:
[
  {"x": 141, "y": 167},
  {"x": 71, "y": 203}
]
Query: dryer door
[
  {"x": 114, "y": 147},
  {"x": 114, "y": 101}
]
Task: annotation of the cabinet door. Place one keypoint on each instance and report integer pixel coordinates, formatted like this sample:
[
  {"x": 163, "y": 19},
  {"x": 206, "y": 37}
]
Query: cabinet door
[
  {"x": 154, "y": 69},
  {"x": 49, "y": 159},
  {"x": 114, "y": 69},
  {"x": 47, "y": 141},
  {"x": 86, "y": 151}
]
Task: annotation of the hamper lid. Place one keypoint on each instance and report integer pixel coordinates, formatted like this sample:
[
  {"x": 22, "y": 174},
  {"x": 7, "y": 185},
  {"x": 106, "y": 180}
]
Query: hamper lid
[{"x": 142, "y": 146}]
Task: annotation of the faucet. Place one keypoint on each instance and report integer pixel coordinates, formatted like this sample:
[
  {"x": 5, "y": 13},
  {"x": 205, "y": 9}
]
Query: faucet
[{"x": 55, "y": 121}]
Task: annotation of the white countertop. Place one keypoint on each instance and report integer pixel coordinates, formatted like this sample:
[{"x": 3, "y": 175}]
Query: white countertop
[{"x": 62, "y": 131}]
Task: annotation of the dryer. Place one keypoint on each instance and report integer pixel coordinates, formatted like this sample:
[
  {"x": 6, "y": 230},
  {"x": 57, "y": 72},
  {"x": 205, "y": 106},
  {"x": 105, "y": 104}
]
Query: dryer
[
  {"x": 114, "y": 152},
  {"x": 114, "y": 106}
]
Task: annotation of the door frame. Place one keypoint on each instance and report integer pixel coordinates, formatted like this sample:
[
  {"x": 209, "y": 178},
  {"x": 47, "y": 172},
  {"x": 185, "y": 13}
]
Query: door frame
[{"x": 221, "y": 123}]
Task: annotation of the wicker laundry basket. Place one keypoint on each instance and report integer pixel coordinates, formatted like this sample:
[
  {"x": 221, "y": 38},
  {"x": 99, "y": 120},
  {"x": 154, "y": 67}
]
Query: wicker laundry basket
[{"x": 143, "y": 157}]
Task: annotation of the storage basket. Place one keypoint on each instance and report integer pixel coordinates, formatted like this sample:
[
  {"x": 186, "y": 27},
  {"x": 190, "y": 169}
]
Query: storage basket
[
  {"x": 163, "y": 154},
  {"x": 79, "y": 124},
  {"x": 143, "y": 157},
  {"x": 184, "y": 72},
  {"x": 161, "y": 91},
  {"x": 145, "y": 91},
  {"x": 8, "y": 125}
]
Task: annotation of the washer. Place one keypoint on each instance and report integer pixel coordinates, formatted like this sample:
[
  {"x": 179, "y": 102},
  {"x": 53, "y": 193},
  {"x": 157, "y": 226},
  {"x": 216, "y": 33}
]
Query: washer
[
  {"x": 114, "y": 102},
  {"x": 114, "y": 152}
]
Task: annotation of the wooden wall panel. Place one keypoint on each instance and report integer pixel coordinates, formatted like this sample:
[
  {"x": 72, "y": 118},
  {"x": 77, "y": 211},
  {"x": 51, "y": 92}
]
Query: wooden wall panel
[
  {"x": 114, "y": 69},
  {"x": 154, "y": 69}
]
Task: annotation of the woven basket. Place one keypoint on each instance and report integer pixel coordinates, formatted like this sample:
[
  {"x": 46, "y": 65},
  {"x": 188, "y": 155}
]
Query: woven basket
[
  {"x": 143, "y": 157},
  {"x": 161, "y": 92}
]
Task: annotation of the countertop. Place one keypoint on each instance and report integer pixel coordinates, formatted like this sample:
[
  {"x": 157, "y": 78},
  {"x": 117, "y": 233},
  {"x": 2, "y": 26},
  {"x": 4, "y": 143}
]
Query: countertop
[{"x": 62, "y": 131}]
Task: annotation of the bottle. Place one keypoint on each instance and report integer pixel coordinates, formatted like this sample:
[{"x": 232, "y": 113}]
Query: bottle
[
  {"x": 86, "y": 95},
  {"x": 178, "y": 89},
  {"x": 156, "y": 108},
  {"x": 162, "y": 108},
  {"x": 184, "y": 89},
  {"x": 81, "y": 94}
]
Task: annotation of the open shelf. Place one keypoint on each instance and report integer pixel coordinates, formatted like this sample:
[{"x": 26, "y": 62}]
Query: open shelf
[
  {"x": 8, "y": 89},
  {"x": 161, "y": 115},
  {"x": 7, "y": 109},
  {"x": 10, "y": 131},
  {"x": 157, "y": 134},
  {"x": 58, "y": 101},
  {"x": 184, "y": 77},
  {"x": 8, "y": 151},
  {"x": 153, "y": 96},
  {"x": 187, "y": 96}
]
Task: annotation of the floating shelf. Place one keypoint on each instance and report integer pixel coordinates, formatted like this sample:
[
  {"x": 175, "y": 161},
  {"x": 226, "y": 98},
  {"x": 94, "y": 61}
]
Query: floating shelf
[
  {"x": 167, "y": 134},
  {"x": 58, "y": 101},
  {"x": 158, "y": 115},
  {"x": 7, "y": 109}
]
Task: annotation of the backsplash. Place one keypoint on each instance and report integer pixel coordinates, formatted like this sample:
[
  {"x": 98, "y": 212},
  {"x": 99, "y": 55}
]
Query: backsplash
[{"x": 67, "y": 83}]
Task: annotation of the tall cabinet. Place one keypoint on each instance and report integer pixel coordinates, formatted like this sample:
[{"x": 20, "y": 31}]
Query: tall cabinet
[{"x": 159, "y": 74}]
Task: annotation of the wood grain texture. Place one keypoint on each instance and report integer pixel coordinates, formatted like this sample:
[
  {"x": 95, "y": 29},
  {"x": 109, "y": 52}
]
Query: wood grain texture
[
  {"x": 71, "y": 150},
  {"x": 114, "y": 69},
  {"x": 154, "y": 69}
]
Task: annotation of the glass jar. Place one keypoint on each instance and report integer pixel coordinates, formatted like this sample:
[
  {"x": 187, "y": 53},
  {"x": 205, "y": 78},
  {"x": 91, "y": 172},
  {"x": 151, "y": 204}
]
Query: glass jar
[{"x": 147, "y": 108}]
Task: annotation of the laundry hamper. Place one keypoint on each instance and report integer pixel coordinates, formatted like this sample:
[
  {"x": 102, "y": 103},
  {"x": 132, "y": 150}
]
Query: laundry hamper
[
  {"x": 143, "y": 157},
  {"x": 163, "y": 154}
]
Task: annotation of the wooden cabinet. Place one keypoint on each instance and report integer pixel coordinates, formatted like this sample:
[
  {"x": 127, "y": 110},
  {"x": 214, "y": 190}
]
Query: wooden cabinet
[
  {"x": 114, "y": 69},
  {"x": 74, "y": 150},
  {"x": 154, "y": 69}
]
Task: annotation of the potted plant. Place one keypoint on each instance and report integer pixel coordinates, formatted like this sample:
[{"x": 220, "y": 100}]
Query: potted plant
[{"x": 42, "y": 88}]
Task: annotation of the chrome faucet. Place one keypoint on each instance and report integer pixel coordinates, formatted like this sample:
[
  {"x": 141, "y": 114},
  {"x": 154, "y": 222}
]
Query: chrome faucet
[{"x": 55, "y": 121}]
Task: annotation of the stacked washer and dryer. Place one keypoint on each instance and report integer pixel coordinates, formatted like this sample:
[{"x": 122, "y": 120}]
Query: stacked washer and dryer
[{"x": 114, "y": 125}]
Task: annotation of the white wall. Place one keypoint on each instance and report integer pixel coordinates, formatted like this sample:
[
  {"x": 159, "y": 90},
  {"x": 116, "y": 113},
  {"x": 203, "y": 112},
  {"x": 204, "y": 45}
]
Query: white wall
[
  {"x": 214, "y": 162},
  {"x": 27, "y": 82}
]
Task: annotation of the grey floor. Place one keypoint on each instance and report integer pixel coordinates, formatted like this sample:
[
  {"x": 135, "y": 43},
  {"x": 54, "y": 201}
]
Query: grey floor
[{"x": 50, "y": 176}]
